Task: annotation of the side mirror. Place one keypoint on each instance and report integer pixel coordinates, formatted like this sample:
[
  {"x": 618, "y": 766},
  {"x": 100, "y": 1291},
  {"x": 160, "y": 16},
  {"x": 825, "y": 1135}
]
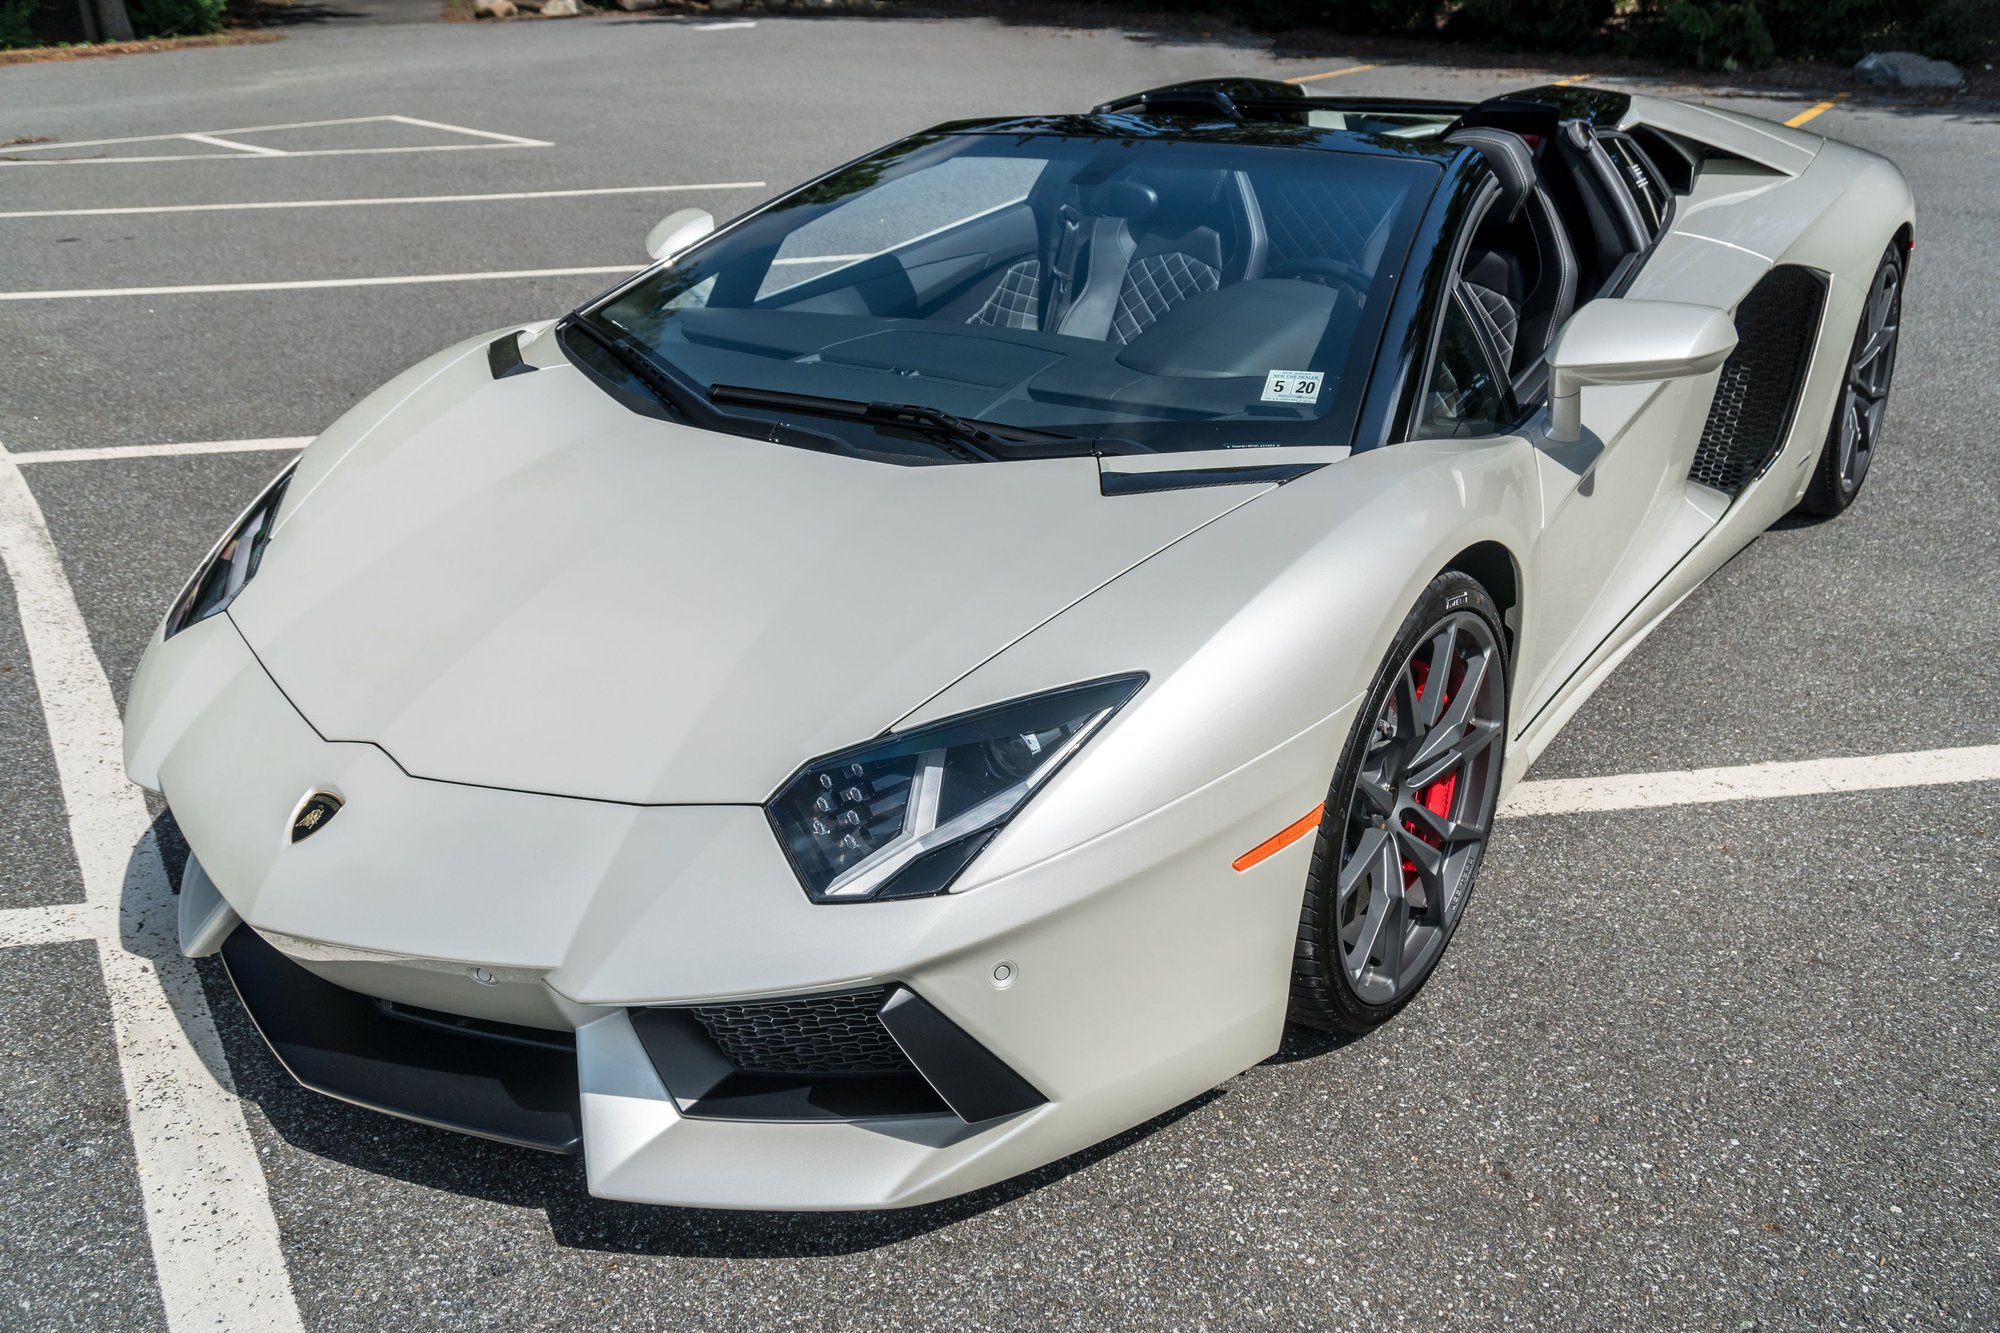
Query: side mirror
[
  {"x": 1630, "y": 342},
  {"x": 677, "y": 231}
]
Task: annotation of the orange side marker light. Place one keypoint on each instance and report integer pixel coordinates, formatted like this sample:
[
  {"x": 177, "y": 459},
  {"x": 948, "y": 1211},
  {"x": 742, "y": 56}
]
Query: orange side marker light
[{"x": 1284, "y": 838}]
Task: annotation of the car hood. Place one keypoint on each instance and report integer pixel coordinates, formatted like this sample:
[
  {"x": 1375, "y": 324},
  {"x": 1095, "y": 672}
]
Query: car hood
[{"x": 519, "y": 583}]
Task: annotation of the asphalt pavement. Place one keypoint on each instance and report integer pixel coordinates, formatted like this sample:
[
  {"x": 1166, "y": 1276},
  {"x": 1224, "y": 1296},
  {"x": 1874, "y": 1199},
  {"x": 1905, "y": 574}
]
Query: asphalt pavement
[{"x": 1727, "y": 1065}]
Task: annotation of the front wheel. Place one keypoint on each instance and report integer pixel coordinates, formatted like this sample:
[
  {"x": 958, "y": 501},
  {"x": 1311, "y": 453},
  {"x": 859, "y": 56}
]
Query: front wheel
[{"x": 1408, "y": 814}]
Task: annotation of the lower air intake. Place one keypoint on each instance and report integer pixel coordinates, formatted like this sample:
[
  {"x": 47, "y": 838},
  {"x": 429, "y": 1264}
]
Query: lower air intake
[
  {"x": 1761, "y": 382},
  {"x": 813, "y": 1034}
]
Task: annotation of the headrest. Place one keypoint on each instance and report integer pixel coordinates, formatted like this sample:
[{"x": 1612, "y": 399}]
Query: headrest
[
  {"x": 1513, "y": 165},
  {"x": 1126, "y": 199},
  {"x": 1181, "y": 195}
]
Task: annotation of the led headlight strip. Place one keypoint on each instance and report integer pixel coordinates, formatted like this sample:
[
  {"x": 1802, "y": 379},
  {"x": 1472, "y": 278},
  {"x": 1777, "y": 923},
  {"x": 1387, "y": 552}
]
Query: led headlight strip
[
  {"x": 232, "y": 563},
  {"x": 901, "y": 816}
]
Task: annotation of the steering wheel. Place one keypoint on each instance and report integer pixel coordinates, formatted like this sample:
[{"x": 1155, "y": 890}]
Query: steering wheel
[{"x": 1331, "y": 272}]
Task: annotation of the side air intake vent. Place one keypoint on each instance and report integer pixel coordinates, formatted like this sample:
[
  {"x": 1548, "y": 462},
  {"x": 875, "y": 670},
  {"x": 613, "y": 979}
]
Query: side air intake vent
[{"x": 1760, "y": 384}]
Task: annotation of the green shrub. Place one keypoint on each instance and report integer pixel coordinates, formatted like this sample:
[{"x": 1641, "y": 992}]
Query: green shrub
[
  {"x": 15, "y": 29},
  {"x": 1711, "y": 34},
  {"x": 175, "y": 18},
  {"x": 1553, "y": 25},
  {"x": 1407, "y": 17}
]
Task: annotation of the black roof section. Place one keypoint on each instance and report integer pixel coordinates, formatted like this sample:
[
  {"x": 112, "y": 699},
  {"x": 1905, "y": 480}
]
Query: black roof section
[
  {"x": 1268, "y": 113},
  {"x": 1263, "y": 100},
  {"x": 1247, "y": 100},
  {"x": 1261, "y": 134}
]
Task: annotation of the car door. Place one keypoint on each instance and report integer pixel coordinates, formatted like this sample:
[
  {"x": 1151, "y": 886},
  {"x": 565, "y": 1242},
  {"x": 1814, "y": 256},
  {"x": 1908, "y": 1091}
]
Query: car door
[
  {"x": 1617, "y": 512},
  {"x": 1593, "y": 501},
  {"x": 1617, "y": 515}
]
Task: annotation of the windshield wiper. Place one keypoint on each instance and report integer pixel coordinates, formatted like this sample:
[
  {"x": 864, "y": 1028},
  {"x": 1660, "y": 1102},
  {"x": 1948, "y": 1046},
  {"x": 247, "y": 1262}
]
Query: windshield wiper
[
  {"x": 634, "y": 358},
  {"x": 968, "y": 437}
]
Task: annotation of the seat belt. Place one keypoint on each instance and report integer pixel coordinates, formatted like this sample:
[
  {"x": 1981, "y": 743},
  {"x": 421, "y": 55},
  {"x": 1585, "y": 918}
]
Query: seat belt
[{"x": 1062, "y": 264}]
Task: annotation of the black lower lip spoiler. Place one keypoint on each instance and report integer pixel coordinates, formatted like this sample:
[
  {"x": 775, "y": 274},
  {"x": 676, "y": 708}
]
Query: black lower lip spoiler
[{"x": 518, "y": 1086}]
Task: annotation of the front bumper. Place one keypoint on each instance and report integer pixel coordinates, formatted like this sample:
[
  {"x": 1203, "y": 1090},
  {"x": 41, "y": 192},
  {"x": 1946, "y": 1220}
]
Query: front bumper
[
  {"x": 1113, "y": 981},
  {"x": 499, "y": 1081},
  {"x": 520, "y": 1085}
]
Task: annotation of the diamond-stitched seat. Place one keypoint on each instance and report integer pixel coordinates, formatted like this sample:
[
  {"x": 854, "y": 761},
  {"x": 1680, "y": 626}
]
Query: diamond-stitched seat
[
  {"x": 1016, "y": 303},
  {"x": 1155, "y": 284},
  {"x": 1310, "y": 220}
]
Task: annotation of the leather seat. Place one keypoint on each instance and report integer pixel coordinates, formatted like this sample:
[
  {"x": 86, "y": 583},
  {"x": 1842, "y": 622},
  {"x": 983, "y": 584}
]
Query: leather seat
[
  {"x": 1016, "y": 300},
  {"x": 1137, "y": 247},
  {"x": 1523, "y": 282}
]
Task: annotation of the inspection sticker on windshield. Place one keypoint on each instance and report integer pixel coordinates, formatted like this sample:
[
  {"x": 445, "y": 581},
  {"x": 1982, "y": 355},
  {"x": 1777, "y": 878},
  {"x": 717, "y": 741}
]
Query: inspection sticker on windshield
[{"x": 1292, "y": 386}]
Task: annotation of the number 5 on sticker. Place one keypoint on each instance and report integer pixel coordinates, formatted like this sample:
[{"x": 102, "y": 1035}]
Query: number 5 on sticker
[{"x": 1292, "y": 386}]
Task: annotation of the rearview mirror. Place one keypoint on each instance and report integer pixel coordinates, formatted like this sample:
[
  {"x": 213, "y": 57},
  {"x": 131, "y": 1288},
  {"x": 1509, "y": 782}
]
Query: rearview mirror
[
  {"x": 1630, "y": 342},
  {"x": 677, "y": 231}
]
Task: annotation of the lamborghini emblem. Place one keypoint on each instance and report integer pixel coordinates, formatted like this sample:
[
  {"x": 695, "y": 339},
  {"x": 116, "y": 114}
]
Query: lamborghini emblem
[{"x": 313, "y": 814}]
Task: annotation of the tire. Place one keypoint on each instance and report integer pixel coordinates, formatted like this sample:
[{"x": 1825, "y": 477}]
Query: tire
[
  {"x": 1856, "y": 429},
  {"x": 1407, "y": 816}
]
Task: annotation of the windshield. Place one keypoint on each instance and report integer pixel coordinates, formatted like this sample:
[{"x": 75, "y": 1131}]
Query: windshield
[{"x": 1163, "y": 293}]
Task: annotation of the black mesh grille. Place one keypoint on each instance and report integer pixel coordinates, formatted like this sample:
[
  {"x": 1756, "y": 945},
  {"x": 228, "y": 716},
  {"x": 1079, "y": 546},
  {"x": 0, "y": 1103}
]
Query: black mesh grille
[
  {"x": 1760, "y": 382},
  {"x": 814, "y": 1034}
]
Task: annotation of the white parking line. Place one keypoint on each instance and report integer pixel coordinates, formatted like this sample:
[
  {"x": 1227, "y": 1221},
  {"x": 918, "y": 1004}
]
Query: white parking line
[
  {"x": 62, "y": 923},
  {"x": 514, "y": 139},
  {"x": 214, "y": 1239},
  {"x": 249, "y": 152},
  {"x": 263, "y": 157},
  {"x": 107, "y": 452},
  {"x": 1754, "y": 782},
  {"x": 376, "y": 202},
  {"x": 267, "y": 129},
  {"x": 314, "y": 284},
  {"x": 235, "y": 147}
]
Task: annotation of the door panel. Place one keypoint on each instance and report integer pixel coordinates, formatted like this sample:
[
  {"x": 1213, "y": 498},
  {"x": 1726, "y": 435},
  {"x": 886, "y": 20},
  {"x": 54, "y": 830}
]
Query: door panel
[{"x": 1617, "y": 515}]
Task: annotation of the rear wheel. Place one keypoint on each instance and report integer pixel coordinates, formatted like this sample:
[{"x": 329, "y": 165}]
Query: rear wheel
[
  {"x": 1864, "y": 394},
  {"x": 1407, "y": 816}
]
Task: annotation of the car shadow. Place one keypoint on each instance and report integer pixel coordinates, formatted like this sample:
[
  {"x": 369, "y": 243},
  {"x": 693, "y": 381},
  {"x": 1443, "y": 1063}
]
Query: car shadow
[
  {"x": 472, "y": 1168},
  {"x": 1304, "y": 1043}
]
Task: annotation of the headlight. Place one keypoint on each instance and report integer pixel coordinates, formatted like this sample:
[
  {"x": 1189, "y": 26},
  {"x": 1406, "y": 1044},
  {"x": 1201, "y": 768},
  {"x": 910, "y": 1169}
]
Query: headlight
[
  {"x": 900, "y": 817},
  {"x": 231, "y": 564}
]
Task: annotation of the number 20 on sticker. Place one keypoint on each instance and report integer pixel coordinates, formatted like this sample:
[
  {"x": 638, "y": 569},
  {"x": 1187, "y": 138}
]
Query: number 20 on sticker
[{"x": 1292, "y": 386}]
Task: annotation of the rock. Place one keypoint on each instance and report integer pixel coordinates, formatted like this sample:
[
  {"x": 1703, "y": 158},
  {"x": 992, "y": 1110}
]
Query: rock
[
  {"x": 724, "y": 6},
  {"x": 494, "y": 9},
  {"x": 633, "y": 6},
  {"x": 560, "y": 9},
  {"x": 1907, "y": 69}
]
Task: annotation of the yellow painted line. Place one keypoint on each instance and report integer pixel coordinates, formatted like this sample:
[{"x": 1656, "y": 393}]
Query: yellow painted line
[
  {"x": 1815, "y": 109},
  {"x": 1331, "y": 74},
  {"x": 1574, "y": 78}
]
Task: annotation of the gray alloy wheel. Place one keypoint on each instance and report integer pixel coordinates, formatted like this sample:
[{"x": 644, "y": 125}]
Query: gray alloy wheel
[
  {"x": 1864, "y": 395},
  {"x": 1415, "y": 796}
]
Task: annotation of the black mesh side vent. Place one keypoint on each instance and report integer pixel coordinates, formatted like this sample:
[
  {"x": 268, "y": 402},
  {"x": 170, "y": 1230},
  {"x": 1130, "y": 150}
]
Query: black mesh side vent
[
  {"x": 1761, "y": 380},
  {"x": 814, "y": 1034}
]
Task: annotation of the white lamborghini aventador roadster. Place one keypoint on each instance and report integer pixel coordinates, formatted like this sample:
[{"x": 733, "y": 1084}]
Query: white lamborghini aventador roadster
[{"x": 939, "y": 670}]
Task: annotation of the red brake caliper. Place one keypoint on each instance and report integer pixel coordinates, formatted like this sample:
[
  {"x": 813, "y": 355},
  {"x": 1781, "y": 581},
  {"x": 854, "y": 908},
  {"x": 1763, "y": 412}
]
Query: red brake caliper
[{"x": 1435, "y": 798}]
